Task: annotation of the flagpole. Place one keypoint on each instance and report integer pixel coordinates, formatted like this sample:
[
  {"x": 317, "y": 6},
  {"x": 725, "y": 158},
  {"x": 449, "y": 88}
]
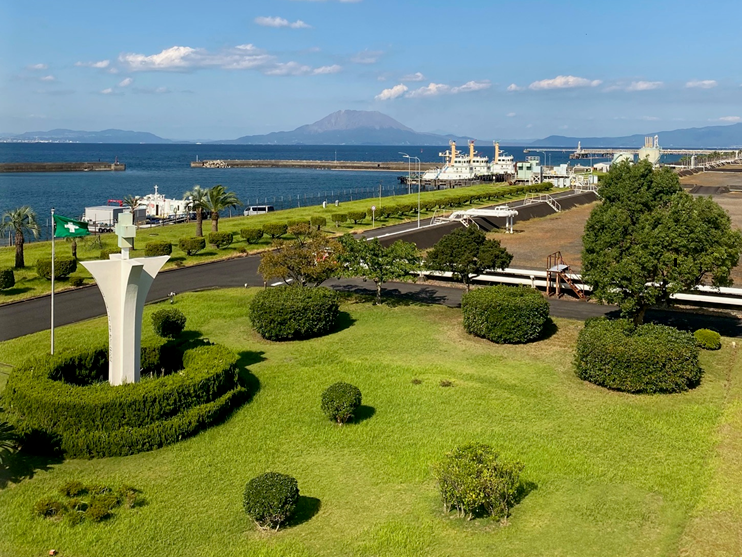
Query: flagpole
[{"x": 52, "y": 327}]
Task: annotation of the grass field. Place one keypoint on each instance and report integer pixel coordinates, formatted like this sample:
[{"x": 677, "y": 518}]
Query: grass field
[
  {"x": 610, "y": 474},
  {"x": 29, "y": 284}
]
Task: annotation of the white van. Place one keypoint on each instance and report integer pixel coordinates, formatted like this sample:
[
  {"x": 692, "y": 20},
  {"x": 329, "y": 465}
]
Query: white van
[{"x": 258, "y": 210}]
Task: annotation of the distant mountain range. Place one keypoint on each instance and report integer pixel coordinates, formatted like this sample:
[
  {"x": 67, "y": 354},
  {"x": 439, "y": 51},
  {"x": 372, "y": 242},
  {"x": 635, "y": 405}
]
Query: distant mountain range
[{"x": 358, "y": 127}]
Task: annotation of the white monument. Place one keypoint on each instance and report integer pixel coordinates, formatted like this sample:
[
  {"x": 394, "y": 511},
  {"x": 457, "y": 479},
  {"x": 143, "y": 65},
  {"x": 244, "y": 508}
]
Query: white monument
[{"x": 124, "y": 284}]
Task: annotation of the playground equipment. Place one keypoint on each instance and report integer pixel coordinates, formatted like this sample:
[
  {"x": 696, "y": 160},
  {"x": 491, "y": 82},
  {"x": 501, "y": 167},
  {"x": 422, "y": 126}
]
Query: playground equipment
[{"x": 557, "y": 271}]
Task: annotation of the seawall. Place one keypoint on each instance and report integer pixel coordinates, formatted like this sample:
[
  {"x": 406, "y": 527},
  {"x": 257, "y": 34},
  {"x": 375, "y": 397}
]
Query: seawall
[
  {"x": 61, "y": 166},
  {"x": 322, "y": 165}
]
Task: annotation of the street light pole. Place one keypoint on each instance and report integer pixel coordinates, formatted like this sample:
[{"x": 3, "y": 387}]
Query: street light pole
[
  {"x": 419, "y": 181},
  {"x": 406, "y": 156}
]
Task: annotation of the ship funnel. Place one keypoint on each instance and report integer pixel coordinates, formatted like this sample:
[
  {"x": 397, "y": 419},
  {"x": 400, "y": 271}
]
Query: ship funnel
[
  {"x": 497, "y": 151},
  {"x": 471, "y": 151}
]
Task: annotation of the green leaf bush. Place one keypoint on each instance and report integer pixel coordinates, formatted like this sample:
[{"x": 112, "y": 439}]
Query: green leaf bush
[
  {"x": 294, "y": 312},
  {"x": 221, "y": 240},
  {"x": 270, "y": 499},
  {"x": 356, "y": 216},
  {"x": 644, "y": 359},
  {"x": 275, "y": 230},
  {"x": 505, "y": 314},
  {"x": 475, "y": 481},
  {"x": 63, "y": 267},
  {"x": 155, "y": 249},
  {"x": 168, "y": 323},
  {"x": 707, "y": 339},
  {"x": 340, "y": 401},
  {"x": 77, "y": 281},
  {"x": 339, "y": 218},
  {"x": 59, "y": 402},
  {"x": 92, "y": 503},
  {"x": 105, "y": 253},
  {"x": 318, "y": 221},
  {"x": 252, "y": 235},
  {"x": 191, "y": 246},
  {"x": 7, "y": 279}
]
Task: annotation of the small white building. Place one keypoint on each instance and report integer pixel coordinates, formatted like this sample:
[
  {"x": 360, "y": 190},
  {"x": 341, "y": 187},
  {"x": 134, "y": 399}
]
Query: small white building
[
  {"x": 107, "y": 215},
  {"x": 157, "y": 205},
  {"x": 602, "y": 167}
]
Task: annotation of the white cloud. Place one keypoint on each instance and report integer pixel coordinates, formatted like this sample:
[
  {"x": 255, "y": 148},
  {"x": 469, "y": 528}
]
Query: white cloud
[
  {"x": 511, "y": 114},
  {"x": 563, "y": 82},
  {"x": 514, "y": 87},
  {"x": 392, "y": 92},
  {"x": 731, "y": 119},
  {"x": 367, "y": 57},
  {"x": 701, "y": 84},
  {"x": 48, "y": 78},
  {"x": 324, "y": 70},
  {"x": 435, "y": 89},
  {"x": 417, "y": 76},
  {"x": 107, "y": 91},
  {"x": 126, "y": 82},
  {"x": 281, "y": 22},
  {"x": 151, "y": 91},
  {"x": 649, "y": 118},
  {"x": 37, "y": 67},
  {"x": 644, "y": 85},
  {"x": 99, "y": 65}
]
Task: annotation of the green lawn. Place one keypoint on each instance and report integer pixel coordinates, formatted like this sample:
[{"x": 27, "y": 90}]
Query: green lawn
[
  {"x": 611, "y": 474},
  {"x": 29, "y": 284}
]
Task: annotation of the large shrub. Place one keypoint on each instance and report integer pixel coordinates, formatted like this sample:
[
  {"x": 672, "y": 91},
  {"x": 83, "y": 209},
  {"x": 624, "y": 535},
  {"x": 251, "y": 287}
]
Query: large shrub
[
  {"x": 7, "y": 278},
  {"x": 271, "y": 499},
  {"x": 191, "y": 246},
  {"x": 154, "y": 249},
  {"x": 340, "y": 401},
  {"x": 505, "y": 314},
  {"x": 475, "y": 481},
  {"x": 293, "y": 312},
  {"x": 63, "y": 267},
  {"x": 339, "y": 218},
  {"x": 252, "y": 235},
  {"x": 707, "y": 339},
  {"x": 168, "y": 322},
  {"x": 318, "y": 221},
  {"x": 220, "y": 240},
  {"x": 275, "y": 230},
  {"x": 356, "y": 216},
  {"x": 58, "y": 402},
  {"x": 644, "y": 359},
  {"x": 105, "y": 253}
]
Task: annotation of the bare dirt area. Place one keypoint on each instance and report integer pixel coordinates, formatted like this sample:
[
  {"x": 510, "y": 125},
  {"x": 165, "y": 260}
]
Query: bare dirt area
[
  {"x": 534, "y": 240},
  {"x": 715, "y": 178}
]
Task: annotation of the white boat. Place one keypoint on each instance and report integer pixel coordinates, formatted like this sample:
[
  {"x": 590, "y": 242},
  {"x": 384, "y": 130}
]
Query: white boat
[
  {"x": 459, "y": 165},
  {"x": 157, "y": 205}
]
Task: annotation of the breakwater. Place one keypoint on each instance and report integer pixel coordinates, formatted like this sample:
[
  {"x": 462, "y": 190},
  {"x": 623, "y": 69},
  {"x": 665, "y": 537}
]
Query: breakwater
[
  {"x": 61, "y": 166},
  {"x": 319, "y": 165}
]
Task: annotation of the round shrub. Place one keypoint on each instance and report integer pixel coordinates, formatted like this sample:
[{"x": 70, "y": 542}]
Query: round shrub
[
  {"x": 252, "y": 235},
  {"x": 644, "y": 359},
  {"x": 275, "y": 230},
  {"x": 221, "y": 240},
  {"x": 7, "y": 278},
  {"x": 77, "y": 281},
  {"x": 294, "y": 312},
  {"x": 319, "y": 222},
  {"x": 473, "y": 480},
  {"x": 49, "y": 508},
  {"x": 356, "y": 216},
  {"x": 505, "y": 314},
  {"x": 271, "y": 499},
  {"x": 191, "y": 246},
  {"x": 63, "y": 267},
  {"x": 168, "y": 323},
  {"x": 72, "y": 489},
  {"x": 340, "y": 401},
  {"x": 59, "y": 402},
  {"x": 106, "y": 252},
  {"x": 339, "y": 218},
  {"x": 299, "y": 222},
  {"x": 154, "y": 249},
  {"x": 707, "y": 339}
]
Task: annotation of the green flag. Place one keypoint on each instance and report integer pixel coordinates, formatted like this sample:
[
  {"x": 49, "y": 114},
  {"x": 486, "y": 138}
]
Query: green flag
[{"x": 69, "y": 228}]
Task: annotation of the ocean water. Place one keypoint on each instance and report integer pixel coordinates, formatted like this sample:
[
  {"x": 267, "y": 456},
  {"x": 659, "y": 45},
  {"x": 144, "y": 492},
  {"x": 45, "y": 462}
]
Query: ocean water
[{"x": 168, "y": 166}]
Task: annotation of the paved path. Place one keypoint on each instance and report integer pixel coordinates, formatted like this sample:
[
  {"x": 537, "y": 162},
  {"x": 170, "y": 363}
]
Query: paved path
[{"x": 30, "y": 316}]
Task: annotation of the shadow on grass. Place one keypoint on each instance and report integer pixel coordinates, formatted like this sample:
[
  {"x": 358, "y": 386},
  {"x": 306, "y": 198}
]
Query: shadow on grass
[
  {"x": 550, "y": 329},
  {"x": 689, "y": 320},
  {"x": 14, "y": 291},
  {"x": 306, "y": 509},
  {"x": 23, "y": 466},
  {"x": 394, "y": 297},
  {"x": 363, "y": 413},
  {"x": 344, "y": 321},
  {"x": 524, "y": 489},
  {"x": 247, "y": 379}
]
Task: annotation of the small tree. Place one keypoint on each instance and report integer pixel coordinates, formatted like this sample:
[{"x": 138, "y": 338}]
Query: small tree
[
  {"x": 466, "y": 252},
  {"x": 197, "y": 203},
  {"x": 218, "y": 199},
  {"x": 307, "y": 260},
  {"x": 319, "y": 222},
  {"x": 371, "y": 260},
  {"x": 20, "y": 221}
]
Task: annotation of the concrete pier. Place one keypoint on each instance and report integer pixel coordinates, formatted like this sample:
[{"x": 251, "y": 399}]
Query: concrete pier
[
  {"x": 61, "y": 166},
  {"x": 401, "y": 166}
]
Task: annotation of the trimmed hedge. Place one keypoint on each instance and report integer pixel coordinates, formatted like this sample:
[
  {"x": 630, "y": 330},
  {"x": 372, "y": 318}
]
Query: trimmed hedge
[
  {"x": 505, "y": 314},
  {"x": 168, "y": 322},
  {"x": 356, "y": 216},
  {"x": 191, "y": 246},
  {"x": 154, "y": 249},
  {"x": 106, "y": 252},
  {"x": 275, "y": 230},
  {"x": 339, "y": 218},
  {"x": 319, "y": 222},
  {"x": 707, "y": 339},
  {"x": 252, "y": 235},
  {"x": 294, "y": 312},
  {"x": 63, "y": 267},
  {"x": 7, "y": 278},
  {"x": 56, "y": 400},
  {"x": 340, "y": 401},
  {"x": 221, "y": 240},
  {"x": 271, "y": 499},
  {"x": 644, "y": 359}
]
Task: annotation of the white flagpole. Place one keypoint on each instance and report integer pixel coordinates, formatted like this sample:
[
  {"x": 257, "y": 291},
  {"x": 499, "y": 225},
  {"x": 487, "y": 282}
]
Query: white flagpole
[{"x": 52, "y": 328}]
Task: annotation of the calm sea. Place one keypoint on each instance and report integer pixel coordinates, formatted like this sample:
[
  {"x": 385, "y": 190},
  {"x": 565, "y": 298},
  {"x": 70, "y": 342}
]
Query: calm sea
[{"x": 168, "y": 167}]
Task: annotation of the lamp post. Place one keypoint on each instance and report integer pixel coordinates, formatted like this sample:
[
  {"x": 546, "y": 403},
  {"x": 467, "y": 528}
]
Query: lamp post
[
  {"x": 409, "y": 160},
  {"x": 419, "y": 180}
]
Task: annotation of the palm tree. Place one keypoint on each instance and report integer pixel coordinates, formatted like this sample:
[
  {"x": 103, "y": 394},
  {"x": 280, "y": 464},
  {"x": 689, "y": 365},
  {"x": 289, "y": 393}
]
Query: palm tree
[
  {"x": 132, "y": 202},
  {"x": 197, "y": 195},
  {"x": 217, "y": 199},
  {"x": 20, "y": 220}
]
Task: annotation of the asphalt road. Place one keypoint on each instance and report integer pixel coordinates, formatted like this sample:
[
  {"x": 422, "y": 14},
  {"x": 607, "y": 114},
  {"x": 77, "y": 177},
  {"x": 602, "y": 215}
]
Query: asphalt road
[{"x": 30, "y": 316}]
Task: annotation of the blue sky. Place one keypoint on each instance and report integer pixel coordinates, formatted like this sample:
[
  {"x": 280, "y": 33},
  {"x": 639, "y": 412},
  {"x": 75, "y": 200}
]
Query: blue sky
[{"x": 490, "y": 69}]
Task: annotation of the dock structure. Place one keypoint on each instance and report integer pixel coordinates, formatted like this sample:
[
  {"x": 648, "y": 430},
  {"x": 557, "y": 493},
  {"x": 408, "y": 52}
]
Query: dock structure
[
  {"x": 321, "y": 165},
  {"x": 62, "y": 166}
]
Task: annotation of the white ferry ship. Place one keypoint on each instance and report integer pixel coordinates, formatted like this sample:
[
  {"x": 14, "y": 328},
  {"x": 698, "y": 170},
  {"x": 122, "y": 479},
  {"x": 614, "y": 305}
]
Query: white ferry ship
[{"x": 459, "y": 165}]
